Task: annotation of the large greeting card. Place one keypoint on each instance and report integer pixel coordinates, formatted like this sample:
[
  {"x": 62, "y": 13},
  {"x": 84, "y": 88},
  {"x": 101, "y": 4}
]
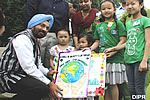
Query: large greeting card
[
  {"x": 96, "y": 82},
  {"x": 73, "y": 68}
]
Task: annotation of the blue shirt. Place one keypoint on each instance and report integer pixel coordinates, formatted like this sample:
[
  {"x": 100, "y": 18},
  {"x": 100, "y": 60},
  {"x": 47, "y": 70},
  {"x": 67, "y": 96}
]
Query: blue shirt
[{"x": 58, "y": 8}]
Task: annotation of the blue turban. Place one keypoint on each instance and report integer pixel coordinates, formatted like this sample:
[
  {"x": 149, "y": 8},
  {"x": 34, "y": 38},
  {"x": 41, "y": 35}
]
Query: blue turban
[{"x": 39, "y": 18}]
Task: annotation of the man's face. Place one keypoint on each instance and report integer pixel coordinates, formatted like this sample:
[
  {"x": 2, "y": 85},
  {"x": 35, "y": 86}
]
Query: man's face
[{"x": 40, "y": 30}]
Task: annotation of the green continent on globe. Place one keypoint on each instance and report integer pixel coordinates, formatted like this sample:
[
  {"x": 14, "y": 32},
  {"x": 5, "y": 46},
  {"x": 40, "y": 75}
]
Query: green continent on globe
[
  {"x": 72, "y": 72},
  {"x": 73, "y": 68}
]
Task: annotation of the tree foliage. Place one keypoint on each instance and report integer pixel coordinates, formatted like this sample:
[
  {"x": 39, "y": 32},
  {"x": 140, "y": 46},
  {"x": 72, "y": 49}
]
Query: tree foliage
[
  {"x": 14, "y": 11},
  {"x": 148, "y": 13}
]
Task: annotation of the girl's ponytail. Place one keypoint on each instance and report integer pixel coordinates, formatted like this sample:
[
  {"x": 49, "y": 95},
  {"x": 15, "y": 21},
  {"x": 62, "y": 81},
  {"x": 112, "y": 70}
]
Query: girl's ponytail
[
  {"x": 115, "y": 19},
  {"x": 143, "y": 11}
]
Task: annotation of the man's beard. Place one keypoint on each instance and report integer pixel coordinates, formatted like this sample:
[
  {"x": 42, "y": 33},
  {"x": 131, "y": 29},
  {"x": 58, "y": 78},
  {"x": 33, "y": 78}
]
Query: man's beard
[{"x": 38, "y": 33}]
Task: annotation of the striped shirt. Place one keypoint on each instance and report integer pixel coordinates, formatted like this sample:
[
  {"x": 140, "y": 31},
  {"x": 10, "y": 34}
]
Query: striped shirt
[{"x": 20, "y": 59}]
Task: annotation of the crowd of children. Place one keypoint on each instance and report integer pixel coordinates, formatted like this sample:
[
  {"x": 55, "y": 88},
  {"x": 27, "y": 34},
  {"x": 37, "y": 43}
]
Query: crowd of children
[
  {"x": 111, "y": 37},
  {"x": 136, "y": 48}
]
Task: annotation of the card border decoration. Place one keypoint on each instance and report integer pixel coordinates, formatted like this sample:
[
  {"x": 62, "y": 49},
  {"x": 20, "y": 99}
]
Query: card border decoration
[
  {"x": 98, "y": 64},
  {"x": 74, "y": 64}
]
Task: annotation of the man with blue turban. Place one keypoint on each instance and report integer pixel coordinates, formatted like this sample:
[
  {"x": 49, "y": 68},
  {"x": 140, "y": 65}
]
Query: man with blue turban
[{"x": 21, "y": 70}]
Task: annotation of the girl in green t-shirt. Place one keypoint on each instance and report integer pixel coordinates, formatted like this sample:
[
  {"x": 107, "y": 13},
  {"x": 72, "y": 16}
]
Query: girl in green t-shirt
[
  {"x": 110, "y": 32},
  {"x": 137, "y": 48}
]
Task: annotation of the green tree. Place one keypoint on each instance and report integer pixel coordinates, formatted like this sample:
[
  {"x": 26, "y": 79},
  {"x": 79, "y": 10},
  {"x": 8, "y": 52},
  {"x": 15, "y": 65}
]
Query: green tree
[
  {"x": 14, "y": 11},
  {"x": 95, "y": 4},
  {"x": 148, "y": 13}
]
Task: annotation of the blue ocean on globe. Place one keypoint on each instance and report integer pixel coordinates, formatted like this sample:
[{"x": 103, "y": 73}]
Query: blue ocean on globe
[{"x": 72, "y": 72}]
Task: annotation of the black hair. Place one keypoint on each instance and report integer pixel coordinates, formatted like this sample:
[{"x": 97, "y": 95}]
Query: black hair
[
  {"x": 75, "y": 6},
  {"x": 88, "y": 36},
  {"x": 63, "y": 29},
  {"x": 123, "y": 1},
  {"x": 102, "y": 19},
  {"x": 143, "y": 11}
]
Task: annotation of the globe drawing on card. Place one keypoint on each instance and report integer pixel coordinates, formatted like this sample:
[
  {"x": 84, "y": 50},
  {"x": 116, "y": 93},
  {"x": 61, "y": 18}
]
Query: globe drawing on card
[{"x": 72, "y": 72}]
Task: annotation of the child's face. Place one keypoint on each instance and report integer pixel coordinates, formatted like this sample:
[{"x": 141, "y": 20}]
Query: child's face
[
  {"x": 63, "y": 37},
  {"x": 107, "y": 10},
  {"x": 133, "y": 6},
  {"x": 83, "y": 43},
  {"x": 71, "y": 9}
]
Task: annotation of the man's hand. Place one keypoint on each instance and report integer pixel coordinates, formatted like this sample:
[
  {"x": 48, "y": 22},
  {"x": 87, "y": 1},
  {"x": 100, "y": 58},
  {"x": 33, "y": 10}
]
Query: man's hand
[{"x": 54, "y": 89}]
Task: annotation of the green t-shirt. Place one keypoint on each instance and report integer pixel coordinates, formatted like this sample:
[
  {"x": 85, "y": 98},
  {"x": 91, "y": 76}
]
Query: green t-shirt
[
  {"x": 109, "y": 38},
  {"x": 135, "y": 43}
]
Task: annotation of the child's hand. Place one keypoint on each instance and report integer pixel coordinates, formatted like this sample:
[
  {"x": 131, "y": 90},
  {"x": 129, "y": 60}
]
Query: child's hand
[
  {"x": 51, "y": 72},
  {"x": 53, "y": 68},
  {"x": 109, "y": 50},
  {"x": 77, "y": 47},
  {"x": 85, "y": 49},
  {"x": 143, "y": 66},
  {"x": 110, "y": 54}
]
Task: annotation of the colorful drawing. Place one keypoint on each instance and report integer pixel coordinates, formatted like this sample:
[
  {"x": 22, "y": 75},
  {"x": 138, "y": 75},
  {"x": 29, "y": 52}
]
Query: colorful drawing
[
  {"x": 73, "y": 68},
  {"x": 72, "y": 72},
  {"x": 96, "y": 82}
]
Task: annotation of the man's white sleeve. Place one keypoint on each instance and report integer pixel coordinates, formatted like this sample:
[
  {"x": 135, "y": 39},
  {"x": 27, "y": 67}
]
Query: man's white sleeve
[{"x": 24, "y": 51}]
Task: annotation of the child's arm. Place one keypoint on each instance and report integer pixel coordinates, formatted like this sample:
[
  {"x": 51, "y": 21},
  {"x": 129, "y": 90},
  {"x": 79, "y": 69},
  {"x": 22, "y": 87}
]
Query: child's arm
[
  {"x": 116, "y": 48},
  {"x": 143, "y": 65},
  {"x": 120, "y": 45},
  {"x": 112, "y": 51},
  {"x": 75, "y": 39},
  {"x": 95, "y": 45},
  {"x": 122, "y": 40},
  {"x": 51, "y": 62}
]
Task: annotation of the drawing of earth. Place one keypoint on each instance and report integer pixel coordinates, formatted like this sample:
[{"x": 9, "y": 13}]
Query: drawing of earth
[{"x": 72, "y": 72}]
